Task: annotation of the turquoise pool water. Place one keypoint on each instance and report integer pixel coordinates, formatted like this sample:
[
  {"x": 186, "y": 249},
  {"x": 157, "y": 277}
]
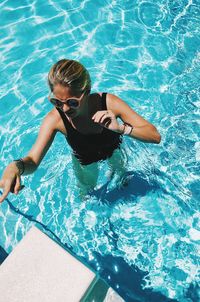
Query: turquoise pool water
[{"x": 142, "y": 233}]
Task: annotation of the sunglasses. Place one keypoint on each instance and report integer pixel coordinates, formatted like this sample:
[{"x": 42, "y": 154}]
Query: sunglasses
[{"x": 70, "y": 102}]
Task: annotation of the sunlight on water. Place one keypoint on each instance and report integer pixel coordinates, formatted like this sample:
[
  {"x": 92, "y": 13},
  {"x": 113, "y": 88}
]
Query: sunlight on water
[{"x": 144, "y": 211}]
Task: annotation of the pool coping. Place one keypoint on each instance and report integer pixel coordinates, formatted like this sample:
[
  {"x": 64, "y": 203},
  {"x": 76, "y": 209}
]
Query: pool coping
[{"x": 39, "y": 266}]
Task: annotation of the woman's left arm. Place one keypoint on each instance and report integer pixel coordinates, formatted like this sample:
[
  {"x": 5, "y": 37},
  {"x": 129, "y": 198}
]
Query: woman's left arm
[{"x": 142, "y": 129}]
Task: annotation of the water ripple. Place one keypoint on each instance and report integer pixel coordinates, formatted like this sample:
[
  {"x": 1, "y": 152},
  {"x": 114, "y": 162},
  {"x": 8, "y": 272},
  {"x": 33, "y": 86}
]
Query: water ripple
[{"x": 146, "y": 212}]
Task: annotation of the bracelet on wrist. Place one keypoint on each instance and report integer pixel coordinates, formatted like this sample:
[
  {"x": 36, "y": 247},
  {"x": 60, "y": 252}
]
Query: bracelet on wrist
[
  {"x": 127, "y": 129},
  {"x": 123, "y": 129},
  {"x": 20, "y": 165}
]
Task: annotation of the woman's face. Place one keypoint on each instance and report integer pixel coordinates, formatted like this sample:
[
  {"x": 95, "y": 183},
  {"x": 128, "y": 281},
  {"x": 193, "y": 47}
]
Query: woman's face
[{"x": 72, "y": 102}]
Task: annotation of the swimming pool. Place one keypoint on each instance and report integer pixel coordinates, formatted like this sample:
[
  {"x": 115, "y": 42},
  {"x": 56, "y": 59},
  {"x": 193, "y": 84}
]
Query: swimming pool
[{"x": 140, "y": 234}]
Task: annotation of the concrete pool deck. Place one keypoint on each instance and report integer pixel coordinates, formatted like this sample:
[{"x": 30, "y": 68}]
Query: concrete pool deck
[{"x": 38, "y": 269}]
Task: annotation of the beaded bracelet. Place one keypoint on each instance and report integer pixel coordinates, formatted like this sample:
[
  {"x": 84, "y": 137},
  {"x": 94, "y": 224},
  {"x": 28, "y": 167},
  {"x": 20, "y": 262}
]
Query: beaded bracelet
[
  {"x": 127, "y": 129},
  {"x": 20, "y": 165},
  {"x": 123, "y": 128}
]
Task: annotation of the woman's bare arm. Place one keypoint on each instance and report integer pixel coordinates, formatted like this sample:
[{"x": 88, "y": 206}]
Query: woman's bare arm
[
  {"x": 39, "y": 149},
  {"x": 142, "y": 129},
  {"x": 11, "y": 175}
]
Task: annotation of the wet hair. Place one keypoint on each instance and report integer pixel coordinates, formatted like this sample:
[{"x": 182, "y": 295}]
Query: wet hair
[{"x": 70, "y": 73}]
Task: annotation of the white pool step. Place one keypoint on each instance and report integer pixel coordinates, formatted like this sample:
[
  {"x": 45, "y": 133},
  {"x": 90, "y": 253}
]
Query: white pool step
[{"x": 38, "y": 269}]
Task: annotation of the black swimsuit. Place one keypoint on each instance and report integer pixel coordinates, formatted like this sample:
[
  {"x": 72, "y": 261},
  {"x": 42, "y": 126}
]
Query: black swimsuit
[{"x": 89, "y": 148}]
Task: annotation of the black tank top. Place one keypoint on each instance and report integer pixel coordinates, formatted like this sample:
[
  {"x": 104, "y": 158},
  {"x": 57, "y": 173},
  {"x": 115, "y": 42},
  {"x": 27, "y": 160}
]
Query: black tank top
[{"x": 89, "y": 148}]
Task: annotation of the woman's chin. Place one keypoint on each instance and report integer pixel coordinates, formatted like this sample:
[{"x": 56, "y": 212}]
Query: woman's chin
[{"x": 71, "y": 114}]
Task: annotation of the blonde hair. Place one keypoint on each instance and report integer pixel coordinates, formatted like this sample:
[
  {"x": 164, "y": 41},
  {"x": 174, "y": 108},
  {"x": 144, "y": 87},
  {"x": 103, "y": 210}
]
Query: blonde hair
[{"x": 70, "y": 73}]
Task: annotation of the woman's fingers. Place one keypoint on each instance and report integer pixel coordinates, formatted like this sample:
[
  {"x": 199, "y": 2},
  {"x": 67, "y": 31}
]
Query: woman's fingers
[
  {"x": 100, "y": 116},
  {"x": 12, "y": 187},
  {"x": 6, "y": 190},
  {"x": 97, "y": 116},
  {"x": 17, "y": 185},
  {"x": 8, "y": 187},
  {"x": 107, "y": 119}
]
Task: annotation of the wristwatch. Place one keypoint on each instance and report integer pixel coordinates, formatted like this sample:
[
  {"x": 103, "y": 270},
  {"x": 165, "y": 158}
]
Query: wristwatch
[
  {"x": 20, "y": 165},
  {"x": 127, "y": 129}
]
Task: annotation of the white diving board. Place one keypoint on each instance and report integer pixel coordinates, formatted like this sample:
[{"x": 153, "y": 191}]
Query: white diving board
[{"x": 39, "y": 270}]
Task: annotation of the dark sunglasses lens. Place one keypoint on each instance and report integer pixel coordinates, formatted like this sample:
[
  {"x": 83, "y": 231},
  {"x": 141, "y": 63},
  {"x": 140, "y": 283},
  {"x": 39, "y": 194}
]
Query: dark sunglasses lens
[
  {"x": 72, "y": 103},
  {"x": 56, "y": 102}
]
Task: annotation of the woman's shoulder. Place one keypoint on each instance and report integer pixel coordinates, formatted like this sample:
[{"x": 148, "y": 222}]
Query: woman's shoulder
[
  {"x": 115, "y": 103},
  {"x": 53, "y": 115},
  {"x": 56, "y": 121},
  {"x": 52, "y": 119}
]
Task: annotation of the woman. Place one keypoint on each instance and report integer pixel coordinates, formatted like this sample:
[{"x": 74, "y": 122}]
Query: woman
[{"x": 89, "y": 122}]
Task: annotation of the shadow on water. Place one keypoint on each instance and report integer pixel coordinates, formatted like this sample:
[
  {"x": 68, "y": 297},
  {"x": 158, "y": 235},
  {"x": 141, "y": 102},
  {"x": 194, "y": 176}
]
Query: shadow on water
[
  {"x": 128, "y": 280},
  {"x": 40, "y": 225},
  {"x": 193, "y": 292},
  {"x": 133, "y": 184},
  {"x": 3, "y": 255}
]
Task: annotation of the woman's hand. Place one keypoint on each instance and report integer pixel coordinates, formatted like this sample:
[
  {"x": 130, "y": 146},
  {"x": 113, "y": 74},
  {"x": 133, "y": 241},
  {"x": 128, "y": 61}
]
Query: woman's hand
[
  {"x": 107, "y": 119},
  {"x": 10, "y": 181}
]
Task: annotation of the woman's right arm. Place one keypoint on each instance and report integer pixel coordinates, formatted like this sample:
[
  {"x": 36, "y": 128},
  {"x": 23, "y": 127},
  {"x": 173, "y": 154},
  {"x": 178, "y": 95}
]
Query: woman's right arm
[{"x": 11, "y": 177}]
